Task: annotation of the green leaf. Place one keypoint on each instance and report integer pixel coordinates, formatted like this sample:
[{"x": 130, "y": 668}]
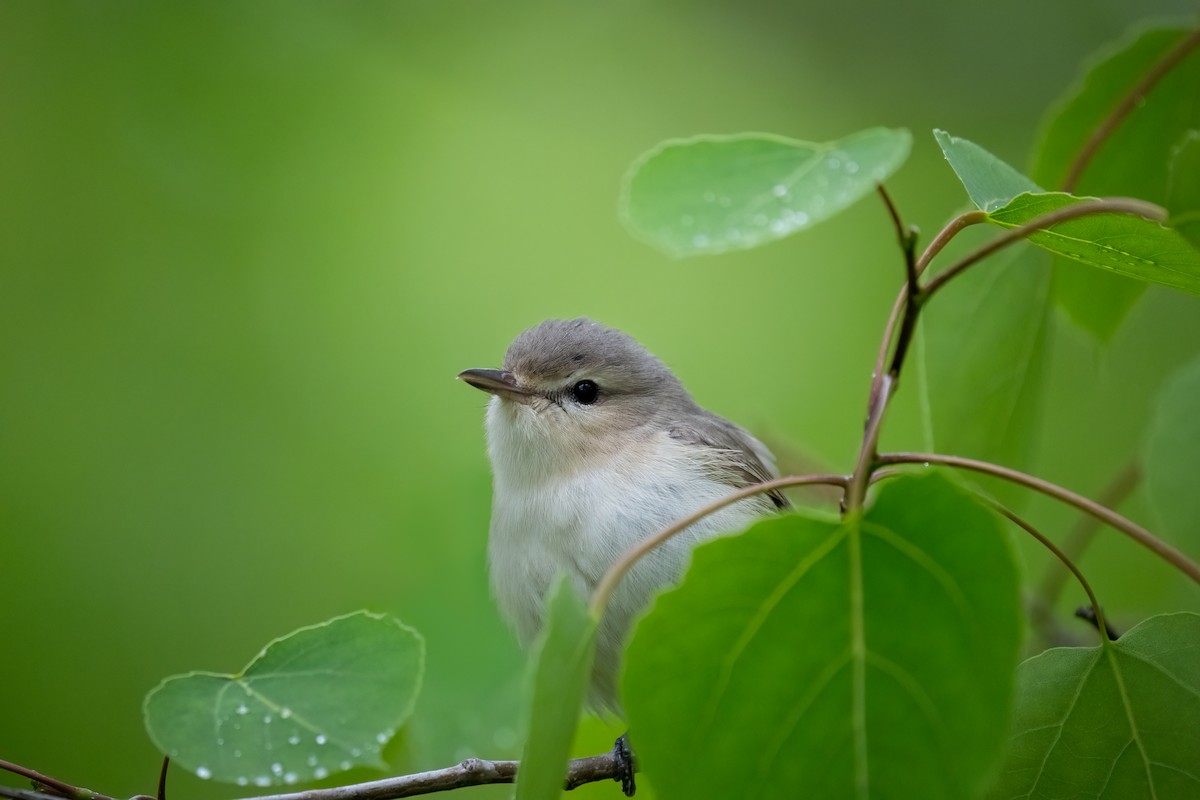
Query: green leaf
[
  {"x": 983, "y": 391},
  {"x": 1153, "y": 126},
  {"x": 1098, "y": 302},
  {"x": 815, "y": 658},
  {"x": 990, "y": 182},
  {"x": 1183, "y": 190},
  {"x": 711, "y": 194},
  {"x": 1122, "y": 243},
  {"x": 317, "y": 701},
  {"x": 563, "y": 665},
  {"x": 1114, "y": 721},
  {"x": 1172, "y": 459},
  {"x": 1132, "y": 162}
]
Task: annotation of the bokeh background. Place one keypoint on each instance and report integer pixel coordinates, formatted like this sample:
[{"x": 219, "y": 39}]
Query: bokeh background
[{"x": 245, "y": 247}]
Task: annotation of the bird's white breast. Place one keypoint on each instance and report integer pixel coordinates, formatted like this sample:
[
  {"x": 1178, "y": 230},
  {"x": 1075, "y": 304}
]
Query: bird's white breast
[{"x": 554, "y": 513}]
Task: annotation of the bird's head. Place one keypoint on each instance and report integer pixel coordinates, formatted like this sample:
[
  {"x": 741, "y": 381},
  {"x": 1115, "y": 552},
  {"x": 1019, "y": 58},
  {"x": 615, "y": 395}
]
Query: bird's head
[{"x": 571, "y": 389}]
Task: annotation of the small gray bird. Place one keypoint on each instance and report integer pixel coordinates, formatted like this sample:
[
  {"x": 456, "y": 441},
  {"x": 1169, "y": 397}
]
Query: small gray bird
[{"x": 595, "y": 444}]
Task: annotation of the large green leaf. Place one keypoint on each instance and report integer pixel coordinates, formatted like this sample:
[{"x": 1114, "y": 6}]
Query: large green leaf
[
  {"x": 563, "y": 664},
  {"x": 816, "y": 658},
  {"x": 711, "y": 194},
  {"x": 1183, "y": 191},
  {"x": 990, "y": 182},
  {"x": 318, "y": 701},
  {"x": 1132, "y": 162},
  {"x": 1116, "y": 721},
  {"x": 983, "y": 348},
  {"x": 1122, "y": 243},
  {"x": 1172, "y": 459},
  {"x": 1095, "y": 301}
]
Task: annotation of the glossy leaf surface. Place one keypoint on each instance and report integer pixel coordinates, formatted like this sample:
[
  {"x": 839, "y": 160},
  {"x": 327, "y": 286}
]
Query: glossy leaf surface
[
  {"x": 711, "y": 194},
  {"x": 798, "y": 659},
  {"x": 990, "y": 182},
  {"x": 321, "y": 700},
  {"x": 982, "y": 353},
  {"x": 1125, "y": 244},
  {"x": 1097, "y": 301},
  {"x": 1110, "y": 722}
]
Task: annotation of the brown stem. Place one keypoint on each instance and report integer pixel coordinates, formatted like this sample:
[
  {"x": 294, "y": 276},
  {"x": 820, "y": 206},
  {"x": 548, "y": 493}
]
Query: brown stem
[
  {"x": 56, "y": 786},
  {"x": 885, "y": 346},
  {"x": 1088, "y": 506},
  {"x": 901, "y": 231},
  {"x": 1059, "y": 554},
  {"x": 903, "y": 316},
  {"x": 860, "y": 479},
  {"x": 1108, "y": 205},
  {"x": 1081, "y": 535},
  {"x": 1128, "y": 103},
  {"x": 609, "y": 581},
  {"x": 472, "y": 772},
  {"x": 952, "y": 229}
]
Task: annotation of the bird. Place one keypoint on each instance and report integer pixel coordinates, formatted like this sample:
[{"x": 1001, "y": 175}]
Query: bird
[{"x": 594, "y": 445}]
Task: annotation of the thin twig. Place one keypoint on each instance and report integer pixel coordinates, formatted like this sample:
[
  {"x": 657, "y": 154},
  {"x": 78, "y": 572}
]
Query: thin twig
[
  {"x": 952, "y": 229},
  {"x": 901, "y": 231},
  {"x": 1107, "y": 205},
  {"x": 162, "y": 779},
  {"x": 1085, "y": 529},
  {"x": 57, "y": 787},
  {"x": 1058, "y": 553},
  {"x": 885, "y": 346},
  {"x": 1090, "y": 614},
  {"x": 1128, "y": 103},
  {"x": 860, "y": 479},
  {"x": 609, "y": 581},
  {"x": 1108, "y": 516},
  {"x": 472, "y": 772},
  {"x": 883, "y": 385},
  {"x": 914, "y": 298},
  {"x": 907, "y": 237},
  {"x": 14, "y": 793}
]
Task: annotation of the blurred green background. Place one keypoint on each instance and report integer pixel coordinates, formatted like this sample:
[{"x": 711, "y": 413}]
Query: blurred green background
[{"x": 245, "y": 247}]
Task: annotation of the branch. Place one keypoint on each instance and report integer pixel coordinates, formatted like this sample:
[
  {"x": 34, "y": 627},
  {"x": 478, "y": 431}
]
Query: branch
[
  {"x": 889, "y": 332},
  {"x": 58, "y": 788},
  {"x": 952, "y": 229},
  {"x": 472, "y": 772},
  {"x": 1061, "y": 556},
  {"x": 860, "y": 479},
  {"x": 608, "y": 583},
  {"x": 902, "y": 233},
  {"x": 1081, "y": 535},
  {"x": 1108, "y": 516},
  {"x": 1108, "y": 205},
  {"x": 1128, "y": 103}
]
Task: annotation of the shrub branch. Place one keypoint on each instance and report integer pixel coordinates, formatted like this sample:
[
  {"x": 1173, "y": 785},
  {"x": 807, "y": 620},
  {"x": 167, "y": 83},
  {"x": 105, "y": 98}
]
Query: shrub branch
[
  {"x": 1111, "y": 518},
  {"x": 472, "y": 772}
]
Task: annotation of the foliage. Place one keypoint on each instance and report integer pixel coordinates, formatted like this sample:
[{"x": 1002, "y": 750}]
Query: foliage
[
  {"x": 1158, "y": 120},
  {"x": 1116, "y": 720},
  {"x": 316, "y": 702},
  {"x": 795, "y": 659},
  {"x": 711, "y": 194},
  {"x": 872, "y": 654},
  {"x": 562, "y": 664}
]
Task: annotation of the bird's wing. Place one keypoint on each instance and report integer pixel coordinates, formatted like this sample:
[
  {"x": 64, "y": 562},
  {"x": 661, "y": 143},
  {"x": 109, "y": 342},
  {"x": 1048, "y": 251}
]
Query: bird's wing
[{"x": 739, "y": 458}]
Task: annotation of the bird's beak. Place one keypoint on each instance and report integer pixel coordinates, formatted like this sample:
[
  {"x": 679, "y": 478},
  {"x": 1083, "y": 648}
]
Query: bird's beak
[{"x": 498, "y": 382}]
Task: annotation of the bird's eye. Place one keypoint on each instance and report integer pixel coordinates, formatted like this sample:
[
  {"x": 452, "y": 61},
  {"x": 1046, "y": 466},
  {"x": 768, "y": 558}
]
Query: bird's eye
[{"x": 585, "y": 392}]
